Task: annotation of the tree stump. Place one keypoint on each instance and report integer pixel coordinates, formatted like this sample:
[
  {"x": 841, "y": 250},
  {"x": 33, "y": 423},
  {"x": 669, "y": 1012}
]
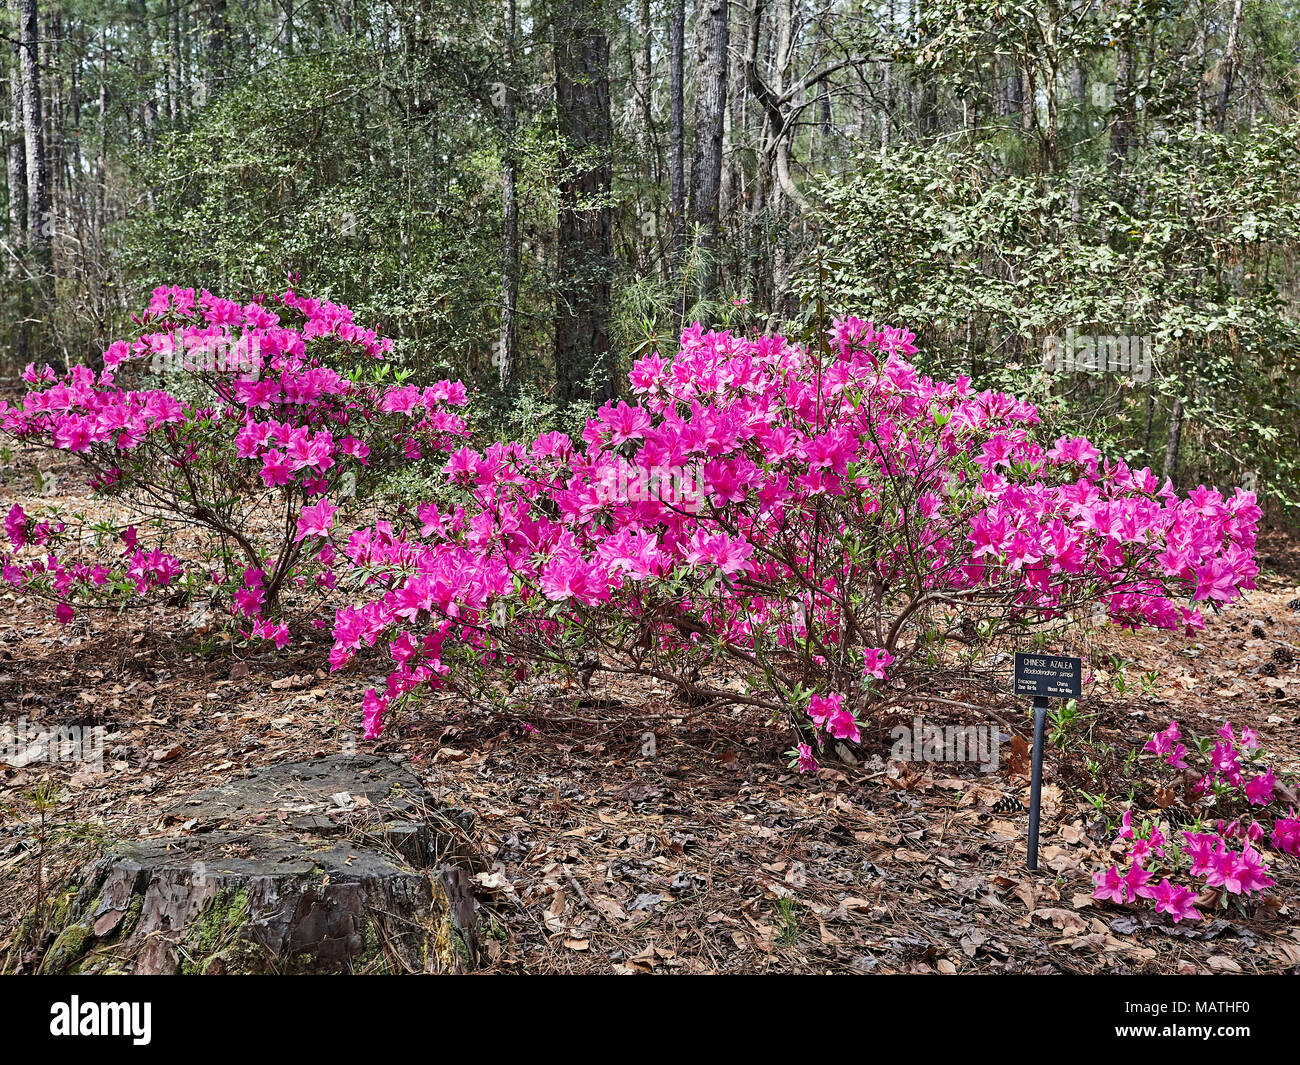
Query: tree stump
[{"x": 336, "y": 865}]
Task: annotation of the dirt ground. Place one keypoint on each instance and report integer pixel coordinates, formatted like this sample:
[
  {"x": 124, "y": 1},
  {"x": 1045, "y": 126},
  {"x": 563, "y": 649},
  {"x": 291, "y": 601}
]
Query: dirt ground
[{"x": 698, "y": 851}]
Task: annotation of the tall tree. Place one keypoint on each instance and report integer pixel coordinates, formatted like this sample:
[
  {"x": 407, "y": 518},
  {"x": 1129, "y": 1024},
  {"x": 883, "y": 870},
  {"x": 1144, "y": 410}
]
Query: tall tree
[
  {"x": 174, "y": 59},
  {"x": 677, "y": 127},
  {"x": 218, "y": 46},
  {"x": 1230, "y": 60},
  {"x": 16, "y": 174},
  {"x": 584, "y": 239},
  {"x": 711, "y": 65},
  {"x": 40, "y": 223},
  {"x": 509, "y": 206},
  {"x": 16, "y": 151}
]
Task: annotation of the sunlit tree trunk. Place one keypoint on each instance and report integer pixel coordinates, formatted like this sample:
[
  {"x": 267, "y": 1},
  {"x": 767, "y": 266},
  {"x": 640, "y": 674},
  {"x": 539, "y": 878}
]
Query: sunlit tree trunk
[
  {"x": 16, "y": 151},
  {"x": 40, "y": 222}
]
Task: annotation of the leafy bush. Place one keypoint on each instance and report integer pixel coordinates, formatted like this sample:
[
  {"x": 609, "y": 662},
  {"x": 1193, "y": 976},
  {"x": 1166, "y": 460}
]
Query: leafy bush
[
  {"x": 991, "y": 268},
  {"x": 1223, "y": 854},
  {"x": 842, "y": 533},
  {"x": 838, "y": 532},
  {"x": 280, "y": 417}
]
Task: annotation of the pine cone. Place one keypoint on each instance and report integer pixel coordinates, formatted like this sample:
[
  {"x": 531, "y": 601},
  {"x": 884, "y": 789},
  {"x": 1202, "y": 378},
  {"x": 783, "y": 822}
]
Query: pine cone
[
  {"x": 1268, "y": 669},
  {"x": 1283, "y": 655}
]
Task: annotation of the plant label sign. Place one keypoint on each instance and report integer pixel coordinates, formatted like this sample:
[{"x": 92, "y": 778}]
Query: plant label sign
[
  {"x": 1045, "y": 677},
  {"x": 1048, "y": 676}
]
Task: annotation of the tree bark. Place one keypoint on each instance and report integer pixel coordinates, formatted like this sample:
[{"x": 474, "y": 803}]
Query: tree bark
[
  {"x": 584, "y": 259},
  {"x": 648, "y": 246},
  {"x": 16, "y": 173},
  {"x": 288, "y": 27},
  {"x": 39, "y": 221},
  {"x": 644, "y": 88},
  {"x": 1229, "y": 64},
  {"x": 509, "y": 210},
  {"x": 677, "y": 129},
  {"x": 1174, "y": 439},
  {"x": 887, "y": 90},
  {"x": 710, "y": 111},
  {"x": 1121, "y": 122},
  {"x": 174, "y": 59},
  {"x": 267, "y": 882},
  {"x": 16, "y": 150},
  {"x": 101, "y": 157},
  {"x": 218, "y": 46},
  {"x": 1202, "y": 103},
  {"x": 146, "y": 86},
  {"x": 735, "y": 132}
]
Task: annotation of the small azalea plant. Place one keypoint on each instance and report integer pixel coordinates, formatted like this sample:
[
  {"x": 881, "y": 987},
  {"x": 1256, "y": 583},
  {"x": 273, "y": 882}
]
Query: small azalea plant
[{"x": 1224, "y": 853}]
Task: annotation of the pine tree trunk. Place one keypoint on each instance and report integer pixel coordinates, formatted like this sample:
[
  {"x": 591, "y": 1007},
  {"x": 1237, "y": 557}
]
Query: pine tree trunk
[
  {"x": 218, "y": 46},
  {"x": 887, "y": 89},
  {"x": 16, "y": 173},
  {"x": 101, "y": 158},
  {"x": 1174, "y": 440},
  {"x": 706, "y": 162},
  {"x": 1229, "y": 64},
  {"x": 40, "y": 221},
  {"x": 1202, "y": 103},
  {"x": 288, "y": 27},
  {"x": 144, "y": 74},
  {"x": 509, "y": 211},
  {"x": 1121, "y": 124},
  {"x": 584, "y": 257},
  {"x": 647, "y": 243},
  {"x": 644, "y": 88},
  {"x": 174, "y": 59},
  {"x": 38, "y": 192},
  {"x": 677, "y": 130},
  {"x": 16, "y": 151}
]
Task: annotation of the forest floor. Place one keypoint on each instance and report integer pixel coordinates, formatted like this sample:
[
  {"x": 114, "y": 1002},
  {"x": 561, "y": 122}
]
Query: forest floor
[{"x": 701, "y": 852}]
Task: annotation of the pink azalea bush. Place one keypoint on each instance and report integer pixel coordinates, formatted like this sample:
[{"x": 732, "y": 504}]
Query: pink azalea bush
[
  {"x": 819, "y": 532},
  {"x": 278, "y": 418},
  {"x": 1222, "y": 854},
  {"x": 836, "y": 531}
]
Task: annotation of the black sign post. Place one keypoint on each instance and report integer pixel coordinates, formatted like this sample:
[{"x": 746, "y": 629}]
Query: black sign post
[{"x": 1045, "y": 677}]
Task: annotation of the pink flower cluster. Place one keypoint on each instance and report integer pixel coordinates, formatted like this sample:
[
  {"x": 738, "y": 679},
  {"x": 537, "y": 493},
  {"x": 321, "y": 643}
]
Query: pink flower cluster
[
  {"x": 134, "y": 568},
  {"x": 292, "y": 423},
  {"x": 851, "y": 513},
  {"x": 1207, "y": 855},
  {"x": 1226, "y": 763},
  {"x": 1167, "y": 746},
  {"x": 1224, "y": 857},
  {"x": 1286, "y": 834},
  {"x": 828, "y": 713}
]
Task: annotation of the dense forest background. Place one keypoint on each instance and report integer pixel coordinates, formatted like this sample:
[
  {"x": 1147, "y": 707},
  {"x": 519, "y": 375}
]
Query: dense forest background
[{"x": 530, "y": 194}]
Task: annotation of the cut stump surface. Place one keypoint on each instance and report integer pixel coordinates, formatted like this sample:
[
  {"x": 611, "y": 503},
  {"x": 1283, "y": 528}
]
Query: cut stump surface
[{"x": 339, "y": 864}]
